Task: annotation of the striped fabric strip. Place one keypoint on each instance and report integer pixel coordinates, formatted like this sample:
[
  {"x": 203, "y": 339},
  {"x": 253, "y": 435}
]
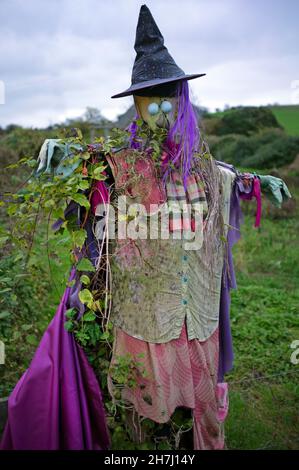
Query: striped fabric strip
[{"x": 183, "y": 205}]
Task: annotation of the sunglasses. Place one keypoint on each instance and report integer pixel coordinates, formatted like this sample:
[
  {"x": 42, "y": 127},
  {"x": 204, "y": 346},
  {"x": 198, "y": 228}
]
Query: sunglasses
[{"x": 154, "y": 108}]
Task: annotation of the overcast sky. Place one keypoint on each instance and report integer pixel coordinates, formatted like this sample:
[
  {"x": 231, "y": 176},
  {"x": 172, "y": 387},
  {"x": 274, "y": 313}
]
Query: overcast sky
[{"x": 59, "y": 56}]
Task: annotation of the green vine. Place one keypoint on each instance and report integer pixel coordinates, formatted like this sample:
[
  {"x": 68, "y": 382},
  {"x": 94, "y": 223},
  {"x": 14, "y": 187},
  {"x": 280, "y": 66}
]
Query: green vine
[{"x": 45, "y": 198}]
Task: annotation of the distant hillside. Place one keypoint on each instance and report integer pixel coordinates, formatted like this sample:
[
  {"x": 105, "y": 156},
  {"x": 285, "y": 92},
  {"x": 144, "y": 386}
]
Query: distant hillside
[
  {"x": 286, "y": 115},
  {"x": 288, "y": 118}
]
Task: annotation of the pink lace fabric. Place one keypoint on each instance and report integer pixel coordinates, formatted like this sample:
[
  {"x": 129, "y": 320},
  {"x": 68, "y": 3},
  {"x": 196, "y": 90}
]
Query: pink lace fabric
[
  {"x": 137, "y": 179},
  {"x": 180, "y": 373}
]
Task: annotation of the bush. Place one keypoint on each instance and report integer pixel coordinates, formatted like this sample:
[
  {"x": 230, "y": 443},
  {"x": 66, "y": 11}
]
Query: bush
[
  {"x": 245, "y": 121},
  {"x": 278, "y": 153},
  {"x": 25, "y": 142},
  {"x": 210, "y": 125},
  {"x": 232, "y": 148},
  {"x": 24, "y": 315},
  {"x": 271, "y": 148}
]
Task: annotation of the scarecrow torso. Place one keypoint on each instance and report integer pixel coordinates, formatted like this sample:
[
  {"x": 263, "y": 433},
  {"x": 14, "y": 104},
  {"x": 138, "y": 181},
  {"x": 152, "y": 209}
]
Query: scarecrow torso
[{"x": 157, "y": 283}]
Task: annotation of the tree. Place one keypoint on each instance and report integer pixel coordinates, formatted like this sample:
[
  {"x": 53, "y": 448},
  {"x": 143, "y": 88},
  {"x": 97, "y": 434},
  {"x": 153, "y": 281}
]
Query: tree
[{"x": 93, "y": 116}]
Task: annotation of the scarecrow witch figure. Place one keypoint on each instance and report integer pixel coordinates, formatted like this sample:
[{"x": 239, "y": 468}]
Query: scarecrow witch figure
[{"x": 170, "y": 295}]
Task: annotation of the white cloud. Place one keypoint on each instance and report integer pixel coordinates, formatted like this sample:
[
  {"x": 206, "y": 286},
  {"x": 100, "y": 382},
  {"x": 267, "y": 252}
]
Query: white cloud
[
  {"x": 257, "y": 82},
  {"x": 57, "y": 57}
]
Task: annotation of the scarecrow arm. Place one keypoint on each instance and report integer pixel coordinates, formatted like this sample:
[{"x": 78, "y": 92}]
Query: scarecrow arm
[
  {"x": 275, "y": 189},
  {"x": 250, "y": 185},
  {"x": 56, "y": 157}
]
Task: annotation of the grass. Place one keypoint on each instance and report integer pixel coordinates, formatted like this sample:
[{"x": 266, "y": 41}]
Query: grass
[
  {"x": 31, "y": 299},
  {"x": 288, "y": 117},
  {"x": 264, "y": 385},
  {"x": 263, "y": 417}
]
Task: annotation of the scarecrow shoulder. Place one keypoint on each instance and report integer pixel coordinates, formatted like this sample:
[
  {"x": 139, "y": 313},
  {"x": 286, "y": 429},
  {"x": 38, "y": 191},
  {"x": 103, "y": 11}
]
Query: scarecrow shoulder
[{"x": 228, "y": 175}]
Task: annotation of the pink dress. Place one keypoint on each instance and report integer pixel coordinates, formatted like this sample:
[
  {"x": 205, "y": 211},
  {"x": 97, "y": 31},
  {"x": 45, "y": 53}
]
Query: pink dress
[{"x": 180, "y": 372}]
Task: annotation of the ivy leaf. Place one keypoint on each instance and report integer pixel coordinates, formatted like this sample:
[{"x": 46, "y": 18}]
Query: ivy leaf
[
  {"x": 12, "y": 210},
  {"x": 12, "y": 165},
  {"x": 58, "y": 213},
  {"x": 83, "y": 185},
  {"x": 163, "y": 445},
  {"x": 89, "y": 316},
  {"x": 70, "y": 313},
  {"x": 86, "y": 297},
  {"x": 71, "y": 181},
  {"x": 78, "y": 237},
  {"x": 105, "y": 335},
  {"x": 85, "y": 280},
  {"x": 85, "y": 265},
  {"x": 78, "y": 133},
  {"x": 71, "y": 223},
  {"x": 155, "y": 145},
  {"x": 97, "y": 173},
  {"x": 81, "y": 199},
  {"x": 68, "y": 325},
  {"x": 85, "y": 155}
]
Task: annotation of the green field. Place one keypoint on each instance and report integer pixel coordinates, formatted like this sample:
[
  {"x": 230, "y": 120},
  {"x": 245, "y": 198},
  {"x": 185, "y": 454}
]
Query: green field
[{"x": 288, "y": 117}]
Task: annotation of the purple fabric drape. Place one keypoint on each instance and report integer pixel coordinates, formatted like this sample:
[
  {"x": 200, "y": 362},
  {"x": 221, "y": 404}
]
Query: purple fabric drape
[
  {"x": 57, "y": 403},
  {"x": 226, "y": 354}
]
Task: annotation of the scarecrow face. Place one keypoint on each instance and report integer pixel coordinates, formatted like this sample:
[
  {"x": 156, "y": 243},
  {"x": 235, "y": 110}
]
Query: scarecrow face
[{"x": 156, "y": 110}]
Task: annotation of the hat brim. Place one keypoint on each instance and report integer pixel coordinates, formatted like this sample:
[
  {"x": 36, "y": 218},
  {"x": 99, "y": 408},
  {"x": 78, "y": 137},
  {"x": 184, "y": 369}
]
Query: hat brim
[{"x": 152, "y": 83}]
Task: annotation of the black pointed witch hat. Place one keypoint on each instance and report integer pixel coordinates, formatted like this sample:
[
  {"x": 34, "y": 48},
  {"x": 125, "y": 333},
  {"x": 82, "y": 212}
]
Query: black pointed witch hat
[{"x": 153, "y": 64}]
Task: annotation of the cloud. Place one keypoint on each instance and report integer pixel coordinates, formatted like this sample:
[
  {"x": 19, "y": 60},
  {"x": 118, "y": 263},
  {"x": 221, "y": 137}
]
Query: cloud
[
  {"x": 58, "y": 57},
  {"x": 247, "y": 82}
]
